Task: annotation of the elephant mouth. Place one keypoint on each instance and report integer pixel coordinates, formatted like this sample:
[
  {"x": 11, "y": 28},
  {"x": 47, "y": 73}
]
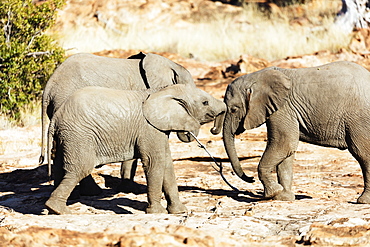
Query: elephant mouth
[
  {"x": 207, "y": 118},
  {"x": 240, "y": 129},
  {"x": 211, "y": 117}
]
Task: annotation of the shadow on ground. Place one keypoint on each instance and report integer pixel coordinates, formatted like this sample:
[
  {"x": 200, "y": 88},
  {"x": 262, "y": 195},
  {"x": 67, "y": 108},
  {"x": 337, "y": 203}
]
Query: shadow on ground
[{"x": 26, "y": 191}]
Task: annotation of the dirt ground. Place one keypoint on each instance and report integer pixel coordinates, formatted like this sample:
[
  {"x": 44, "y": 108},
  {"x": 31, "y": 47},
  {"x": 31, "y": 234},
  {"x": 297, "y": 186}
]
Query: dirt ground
[{"x": 327, "y": 183}]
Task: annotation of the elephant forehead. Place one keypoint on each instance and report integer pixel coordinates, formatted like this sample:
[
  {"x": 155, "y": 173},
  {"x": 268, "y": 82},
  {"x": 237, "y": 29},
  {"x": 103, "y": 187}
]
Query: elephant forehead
[
  {"x": 233, "y": 92},
  {"x": 200, "y": 95}
]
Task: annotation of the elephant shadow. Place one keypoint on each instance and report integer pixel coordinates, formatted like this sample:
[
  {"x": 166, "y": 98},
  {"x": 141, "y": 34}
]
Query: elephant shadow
[
  {"x": 240, "y": 196},
  {"x": 117, "y": 205},
  {"x": 24, "y": 180},
  {"x": 114, "y": 183},
  {"x": 26, "y": 191},
  {"x": 244, "y": 196},
  {"x": 104, "y": 201}
]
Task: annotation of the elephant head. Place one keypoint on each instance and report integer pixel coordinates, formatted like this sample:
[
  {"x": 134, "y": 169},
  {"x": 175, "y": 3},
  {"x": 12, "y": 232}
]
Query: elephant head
[
  {"x": 251, "y": 100},
  {"x": 182, "y": 108},
  {"x": 157, "y": 71}
]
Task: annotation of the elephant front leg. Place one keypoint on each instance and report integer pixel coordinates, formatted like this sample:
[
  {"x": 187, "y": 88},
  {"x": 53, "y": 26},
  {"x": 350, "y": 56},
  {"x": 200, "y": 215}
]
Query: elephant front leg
[
  {"x": 171, "y": 192},
  {"x": 285, "y": 178},
  {"x": 271, "y": 187},
  {"x": 154, "y": 177},
  {"x": 283, "y": 139},
  {"x": 271, "y": 162}
]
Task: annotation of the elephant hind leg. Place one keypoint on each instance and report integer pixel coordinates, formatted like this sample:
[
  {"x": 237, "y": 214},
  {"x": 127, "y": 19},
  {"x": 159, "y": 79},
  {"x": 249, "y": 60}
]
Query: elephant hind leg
[
  {"x": 127, "y": 185},
  {"x": 365, "y": 167},
  {"x": 361, "y": 152},
  {"x": 56, "y": 204},
  {"x": 73, "y": 175}
]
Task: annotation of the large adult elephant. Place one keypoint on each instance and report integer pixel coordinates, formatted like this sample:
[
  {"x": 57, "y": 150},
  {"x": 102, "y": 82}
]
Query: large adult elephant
[
  {"x": 140, "y": 71},
  {"x": 327, "y": 105},
  {"x": 99, "y": 125}
]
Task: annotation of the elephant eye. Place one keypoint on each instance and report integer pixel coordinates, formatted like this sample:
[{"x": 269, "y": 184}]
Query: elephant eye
[
  {"x": 205, "y": 102},
  {"x": 233, "y": 109}
]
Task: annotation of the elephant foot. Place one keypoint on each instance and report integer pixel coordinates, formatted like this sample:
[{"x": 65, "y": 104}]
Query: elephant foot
[
  {"x": 156, "y": 209},
  {"x": 177, "y": 209},
  {"x": 273, "y": 190},
  {"x": 88, "y": 187},
  {"x": 364, "y": 198},
  {"x": 284, "y": 196},
  {"x": 129, "y": 186},
  {"x": 56, "y": 206}
]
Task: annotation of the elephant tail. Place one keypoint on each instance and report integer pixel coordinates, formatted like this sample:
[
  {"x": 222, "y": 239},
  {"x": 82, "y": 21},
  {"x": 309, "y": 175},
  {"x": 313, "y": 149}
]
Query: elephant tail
[
  {"x": 44, "y": 107},
  {"x": 50, "y": 143}
]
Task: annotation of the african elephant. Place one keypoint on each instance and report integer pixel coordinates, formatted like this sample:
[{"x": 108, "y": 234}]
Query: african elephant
[
  {"x": 327, "y": 105},
  {"x": 140, "y": 71},
  {"x": 99, "y": 125}
]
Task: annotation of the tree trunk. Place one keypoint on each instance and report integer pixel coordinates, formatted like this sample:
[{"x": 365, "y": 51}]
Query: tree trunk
[{"x": 354, "y": 14}]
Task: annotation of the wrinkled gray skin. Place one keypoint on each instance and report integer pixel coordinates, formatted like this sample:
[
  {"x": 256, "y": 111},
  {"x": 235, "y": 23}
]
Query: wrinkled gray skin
[
  {"x": 140, "y": 71},
  {"x": 327, "y": 105},
  {"x": 99, "y": 125}
]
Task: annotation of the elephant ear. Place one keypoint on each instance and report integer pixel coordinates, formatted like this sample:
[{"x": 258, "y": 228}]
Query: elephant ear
[
  {"x": 268, "y": 94},
  {"x": 168, "y": 110},
  {"x": 161, "y": 71}
]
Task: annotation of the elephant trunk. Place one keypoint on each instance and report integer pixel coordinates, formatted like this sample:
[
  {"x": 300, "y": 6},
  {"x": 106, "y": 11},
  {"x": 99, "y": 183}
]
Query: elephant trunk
[
  {"x": 229, "y": 143},
  {"x": 219, "y": 120},
  {"x": 185, "y": 136}
]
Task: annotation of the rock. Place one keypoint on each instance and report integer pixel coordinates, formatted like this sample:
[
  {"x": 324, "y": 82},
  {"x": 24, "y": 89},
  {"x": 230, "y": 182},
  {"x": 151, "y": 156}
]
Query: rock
[{"x": 324, "y": 235}]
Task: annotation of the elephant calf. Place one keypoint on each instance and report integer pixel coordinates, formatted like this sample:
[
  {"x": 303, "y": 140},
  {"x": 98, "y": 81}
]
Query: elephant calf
[
  {"x": 99, "y": 125},
  {"x": 327, "y": 105}
]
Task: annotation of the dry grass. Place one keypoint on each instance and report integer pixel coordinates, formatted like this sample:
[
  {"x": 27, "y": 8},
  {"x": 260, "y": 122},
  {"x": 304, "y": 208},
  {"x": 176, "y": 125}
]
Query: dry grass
[
  {"x": 30, "y": 116},
  {"x": 281, "y": 32}
]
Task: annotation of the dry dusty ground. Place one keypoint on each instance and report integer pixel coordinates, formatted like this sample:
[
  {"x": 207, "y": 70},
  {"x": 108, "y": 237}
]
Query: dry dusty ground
[{"x": 327, "y": 183}]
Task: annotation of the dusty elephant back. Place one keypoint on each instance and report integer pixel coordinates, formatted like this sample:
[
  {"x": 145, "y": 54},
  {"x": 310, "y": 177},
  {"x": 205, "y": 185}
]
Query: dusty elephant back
[
  {"x": 329, "y": 98},
  {"x": 82, "y": 70},
  {"x": 338, "y": 74},
  {"x": 329, "y": 84}
]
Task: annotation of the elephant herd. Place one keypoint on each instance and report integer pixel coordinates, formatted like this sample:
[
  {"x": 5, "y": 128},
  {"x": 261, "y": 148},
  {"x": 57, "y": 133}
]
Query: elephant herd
[{"x": 104, "y": 110}]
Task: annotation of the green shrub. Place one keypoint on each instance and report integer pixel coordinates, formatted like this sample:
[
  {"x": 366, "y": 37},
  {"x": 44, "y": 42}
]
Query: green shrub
[{"x": 28, "y": 55}]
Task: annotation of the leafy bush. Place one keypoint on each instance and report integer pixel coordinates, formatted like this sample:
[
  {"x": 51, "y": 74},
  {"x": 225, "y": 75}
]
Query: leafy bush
[{"x": 28, "y": 55}]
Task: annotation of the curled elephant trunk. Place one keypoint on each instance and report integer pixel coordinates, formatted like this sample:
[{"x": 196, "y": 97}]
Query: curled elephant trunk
[
  {"x": 229, "y": 143},
  {"x": 219, "y": 121}
]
